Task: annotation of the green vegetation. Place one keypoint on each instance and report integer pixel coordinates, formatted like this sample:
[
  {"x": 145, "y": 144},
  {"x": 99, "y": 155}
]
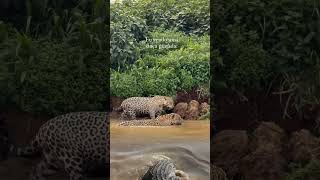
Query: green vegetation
[
  {"x": 262, "y": 45},
  {"x": 180, "y": 60},
  {"x": 205, "y": 116},
  {"x": 53, "y": 55},
  {"x": 309, "y": 171},
  {"x": 270, "y": 47}
]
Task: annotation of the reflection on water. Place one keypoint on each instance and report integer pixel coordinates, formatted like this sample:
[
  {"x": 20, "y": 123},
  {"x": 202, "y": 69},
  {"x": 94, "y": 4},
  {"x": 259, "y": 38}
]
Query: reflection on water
[{"x": 134, "y": 148}]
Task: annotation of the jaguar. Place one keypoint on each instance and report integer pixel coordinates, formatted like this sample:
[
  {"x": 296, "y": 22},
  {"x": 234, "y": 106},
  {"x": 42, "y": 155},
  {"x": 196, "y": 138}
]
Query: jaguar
[
  {"x": 152, "y": 106},
  {"x": 75, "y": 143},
  {"x": 162, "y": 120}
]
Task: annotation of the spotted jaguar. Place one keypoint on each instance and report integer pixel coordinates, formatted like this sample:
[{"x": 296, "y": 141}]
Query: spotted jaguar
[
  {"x": 152, "y": 106},
  {"x": 165, "y": 169},
  {"x": 163, "y": 120},
  {"x": 76, "y": 143}
]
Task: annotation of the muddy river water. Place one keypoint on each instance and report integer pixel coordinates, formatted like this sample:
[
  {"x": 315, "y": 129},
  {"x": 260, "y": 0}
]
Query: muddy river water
[{"x": 134, "y": 149}]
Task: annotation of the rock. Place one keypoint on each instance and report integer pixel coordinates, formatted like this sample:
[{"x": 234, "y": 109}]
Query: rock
[
  {"x": 181, "y": 109},
  {"x": 204, "y": 108},
  {"x": 217, "y": 173},
  {"x": 268, "y": 132},
  {"x": 265, "y": 163},
  {"x": 193, "y": 110},
  {"x": 265, "y": 160},
  {"x": 302, "y": 145},
  {"x": 228, "y": 147}
]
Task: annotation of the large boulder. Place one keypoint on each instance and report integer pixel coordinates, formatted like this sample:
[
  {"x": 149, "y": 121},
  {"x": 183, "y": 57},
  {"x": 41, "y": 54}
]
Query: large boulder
[
  {"x": 193, "y": 110},
  {"x": 265, "y": 163},
  {"x": 268, "y": 132},
  {"x": 181, "y": 109},
  {"x": 217, "y": 173},
  {"x": 228, "y": 147},
  {"x": 204, "y": 108},
  {"x": 302, "y": 145},
  {"x": 265, "y": 160}
]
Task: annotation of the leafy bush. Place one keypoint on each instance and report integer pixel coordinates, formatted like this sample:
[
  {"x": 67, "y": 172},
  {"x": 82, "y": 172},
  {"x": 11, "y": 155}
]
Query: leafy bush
[
  {"x": 144, "y": 63},
  {"x": 124, "y": 84},
  {"x": 143, "y": 82},
  {"x": 127, "y": 29},
  {"x": 64, "y": 79},
  {"x": 262, "y": 44},
  {"x": 160, "y": 42},
  {"x": 53, "y": 56},
  {"x": 309, "y": 171},
  {"x": 133, "y": 21},
  {"x": 190, "y": 17},
  {"x": 248, "y": 66},
  {"x": 191, "y": 64},
  {"x": 205, "y": 116},
  {"x": 180, "y": 69},
  {"x": 41, "y": 75}
]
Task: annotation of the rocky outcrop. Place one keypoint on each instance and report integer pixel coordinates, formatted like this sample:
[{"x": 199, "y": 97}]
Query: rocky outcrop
[
  {"x": 217, "y": 173},
  {"x": 265, "y": 133},
  {"x": 264, "y": 163},
  {"x": 193, "y": 110},
  {"x": 265, "y": 160},
  {"x": 228, "y": 147},
  {"x": 204, "y": 108},
  {"x": 266, "y": 155},
  {"x": 302, "y": 146},
  {"x": 181, "y": 109}
]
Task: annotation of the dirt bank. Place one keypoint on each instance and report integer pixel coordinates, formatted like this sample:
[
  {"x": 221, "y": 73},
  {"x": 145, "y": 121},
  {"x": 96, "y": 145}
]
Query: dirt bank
[{"x": 245, "y": 114}]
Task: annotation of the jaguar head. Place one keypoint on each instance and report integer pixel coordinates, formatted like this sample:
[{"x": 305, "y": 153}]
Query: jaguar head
[{"x": 169, "y": 103}]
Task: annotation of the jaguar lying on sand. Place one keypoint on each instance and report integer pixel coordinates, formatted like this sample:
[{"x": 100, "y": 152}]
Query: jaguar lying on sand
[
  {"x": 163, "y": 120},
  {"x": 152, "y": 106},
  {"x": 77, "y": 143}
]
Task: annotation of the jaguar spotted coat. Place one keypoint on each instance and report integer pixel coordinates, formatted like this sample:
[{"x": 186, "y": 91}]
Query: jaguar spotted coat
[
  {"x": 152, "y": 106},
  {"x": 73, "y": 142},
  {"x": 163, "y": 120}
]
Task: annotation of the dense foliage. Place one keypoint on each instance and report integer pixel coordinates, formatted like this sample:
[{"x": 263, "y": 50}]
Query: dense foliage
[
  {"x": 54, "y": 59},
  {"x": 142, "y": 66},
  {"x": 261, "y": 44},
  {"x": 271, "y": 48},
  {"x": 308, "y": 171}
]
